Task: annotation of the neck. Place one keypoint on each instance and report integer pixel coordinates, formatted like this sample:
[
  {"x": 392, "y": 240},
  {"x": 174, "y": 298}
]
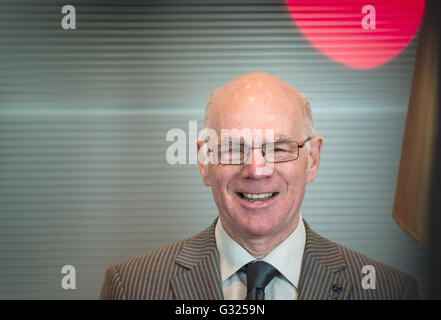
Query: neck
[{"x": 260, "y": 247}]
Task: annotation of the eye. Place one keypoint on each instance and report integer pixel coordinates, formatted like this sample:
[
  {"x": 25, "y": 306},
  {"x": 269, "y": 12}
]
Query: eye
[
  {"x": 283, "y": 147},
  {"x": 277, "y": 147}
]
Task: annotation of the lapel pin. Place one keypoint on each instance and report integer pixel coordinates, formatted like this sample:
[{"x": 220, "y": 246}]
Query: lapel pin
[{"x": 337, "y": 288}]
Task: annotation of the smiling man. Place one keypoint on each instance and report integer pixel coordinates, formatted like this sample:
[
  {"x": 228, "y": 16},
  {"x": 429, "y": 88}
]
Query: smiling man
[{"x": 259, "y": 247}]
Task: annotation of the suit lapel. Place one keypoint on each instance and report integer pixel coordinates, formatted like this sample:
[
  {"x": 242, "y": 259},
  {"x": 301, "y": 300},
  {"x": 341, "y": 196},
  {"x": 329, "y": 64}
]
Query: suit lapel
[
  {"x": 320, "y": 274},
  {"x": 201, "y": 280},
  {"x": 322, "y": 264}
]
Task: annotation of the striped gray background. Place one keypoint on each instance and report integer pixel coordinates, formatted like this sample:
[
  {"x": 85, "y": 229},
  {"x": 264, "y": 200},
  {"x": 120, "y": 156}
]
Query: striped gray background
[{"x": 84, "y": 114}]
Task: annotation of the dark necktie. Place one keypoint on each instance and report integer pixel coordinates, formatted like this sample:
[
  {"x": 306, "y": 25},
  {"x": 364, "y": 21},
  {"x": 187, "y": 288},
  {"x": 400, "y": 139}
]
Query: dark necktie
[{"x": 259, "y": 274}]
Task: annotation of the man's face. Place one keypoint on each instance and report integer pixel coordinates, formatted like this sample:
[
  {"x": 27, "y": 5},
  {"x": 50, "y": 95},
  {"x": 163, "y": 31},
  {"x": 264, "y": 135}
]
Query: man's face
[{"x": 260, "y": 107}]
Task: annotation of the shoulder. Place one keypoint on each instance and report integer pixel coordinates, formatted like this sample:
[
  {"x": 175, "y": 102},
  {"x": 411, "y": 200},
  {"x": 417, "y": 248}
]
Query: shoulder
[
  {"x": 148, "y": 276},
  {"x": 369, "y": 278},
  {"x": 372, "y": 279},
  {"x": 143, "y": 276},
  {"x": 153, "y": 261}
]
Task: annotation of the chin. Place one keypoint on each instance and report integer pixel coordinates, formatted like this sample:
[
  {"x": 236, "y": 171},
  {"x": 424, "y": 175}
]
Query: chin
[{"x": 259, "y": 226}]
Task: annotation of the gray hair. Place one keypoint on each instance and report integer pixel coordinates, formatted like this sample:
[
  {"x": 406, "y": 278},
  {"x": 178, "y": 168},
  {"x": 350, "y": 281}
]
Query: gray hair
[{"x": 308, "y": 120}]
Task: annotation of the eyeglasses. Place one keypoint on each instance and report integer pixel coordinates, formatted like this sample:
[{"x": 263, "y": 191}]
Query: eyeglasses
[{"x": 282, "y": 151}]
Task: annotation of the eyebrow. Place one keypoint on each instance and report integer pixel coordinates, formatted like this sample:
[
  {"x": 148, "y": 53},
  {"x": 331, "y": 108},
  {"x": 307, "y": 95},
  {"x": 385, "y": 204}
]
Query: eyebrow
[
  {"x": 281, "y": 138},
  {"x": 226, "y": 141}
]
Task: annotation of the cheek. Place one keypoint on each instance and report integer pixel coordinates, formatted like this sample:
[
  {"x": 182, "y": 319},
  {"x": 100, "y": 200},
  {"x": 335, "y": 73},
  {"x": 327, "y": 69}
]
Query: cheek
[
  {"x": 220, "y": 179},
  {"x": 295, "y": 180}
]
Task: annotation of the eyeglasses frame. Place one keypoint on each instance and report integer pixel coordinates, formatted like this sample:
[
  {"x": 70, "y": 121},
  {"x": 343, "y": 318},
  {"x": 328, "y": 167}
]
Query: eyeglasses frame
[{"x": 299, "y": 146}]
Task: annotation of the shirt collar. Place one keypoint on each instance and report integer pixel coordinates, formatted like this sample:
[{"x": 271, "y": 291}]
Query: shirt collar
[
  {"x": 232, "y": 256},
  {"x": 286, "y": 257}
]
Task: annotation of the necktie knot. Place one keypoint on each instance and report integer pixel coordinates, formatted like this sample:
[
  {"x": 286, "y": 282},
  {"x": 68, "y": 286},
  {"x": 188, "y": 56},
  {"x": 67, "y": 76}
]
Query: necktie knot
[{"x": 259, "y": 275}]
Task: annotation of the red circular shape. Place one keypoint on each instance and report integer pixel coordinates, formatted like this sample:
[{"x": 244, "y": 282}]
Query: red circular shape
[{"x": 335, "y": 28}]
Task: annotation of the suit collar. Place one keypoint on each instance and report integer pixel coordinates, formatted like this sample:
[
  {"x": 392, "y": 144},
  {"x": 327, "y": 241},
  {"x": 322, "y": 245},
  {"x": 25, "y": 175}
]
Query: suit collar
[
  {"x": 200, "y": 258},
  {"x": 320, "y": 277},
  {"x": 321, "y": 270},
  {"x": 324, "y": 250}
]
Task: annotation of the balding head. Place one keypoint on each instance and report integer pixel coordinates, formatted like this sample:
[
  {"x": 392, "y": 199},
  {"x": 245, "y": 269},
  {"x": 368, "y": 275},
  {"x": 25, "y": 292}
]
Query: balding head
[
  {"x": 259, "y": 208},
  {"x": 247, "y": 88}
]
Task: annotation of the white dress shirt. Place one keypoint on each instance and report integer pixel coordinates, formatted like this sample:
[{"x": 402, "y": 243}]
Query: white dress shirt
[{"x": 286, "y": 258}]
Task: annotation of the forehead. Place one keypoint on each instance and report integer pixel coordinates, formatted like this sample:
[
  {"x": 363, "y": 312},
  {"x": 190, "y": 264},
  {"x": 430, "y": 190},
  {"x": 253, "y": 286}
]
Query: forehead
[{"x": 259, "y": 105}]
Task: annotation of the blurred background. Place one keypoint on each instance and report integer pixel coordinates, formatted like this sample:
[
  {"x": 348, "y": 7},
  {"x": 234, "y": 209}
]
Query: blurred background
[{"x": 84, "y": 114}]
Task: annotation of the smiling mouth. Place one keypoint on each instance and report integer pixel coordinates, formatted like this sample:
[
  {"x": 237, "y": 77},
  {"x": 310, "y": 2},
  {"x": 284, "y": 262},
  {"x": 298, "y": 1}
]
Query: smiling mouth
[{"x": 253, "y": 197}]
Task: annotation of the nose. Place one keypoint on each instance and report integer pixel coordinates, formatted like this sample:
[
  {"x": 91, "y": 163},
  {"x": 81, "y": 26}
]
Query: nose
[{"x": 256, "y": 167}]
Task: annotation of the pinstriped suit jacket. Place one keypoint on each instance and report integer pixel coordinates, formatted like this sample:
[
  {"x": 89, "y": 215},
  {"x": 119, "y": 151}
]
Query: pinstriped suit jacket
[{"x": 189, "y": 269}]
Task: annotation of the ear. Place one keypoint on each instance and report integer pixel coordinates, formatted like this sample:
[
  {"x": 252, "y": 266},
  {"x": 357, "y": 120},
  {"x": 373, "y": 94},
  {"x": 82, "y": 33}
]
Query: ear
[
  {"x": 314, "y": 154},
  {"x": 203, "y": 161}
]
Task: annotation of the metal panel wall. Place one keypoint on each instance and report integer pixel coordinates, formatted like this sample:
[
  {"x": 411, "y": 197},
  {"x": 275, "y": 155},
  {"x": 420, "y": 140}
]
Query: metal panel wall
[{"x": 84, "y": 114}]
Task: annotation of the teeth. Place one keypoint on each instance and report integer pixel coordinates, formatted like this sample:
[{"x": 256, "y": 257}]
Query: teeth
[{"x": 257, "y": 195}]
